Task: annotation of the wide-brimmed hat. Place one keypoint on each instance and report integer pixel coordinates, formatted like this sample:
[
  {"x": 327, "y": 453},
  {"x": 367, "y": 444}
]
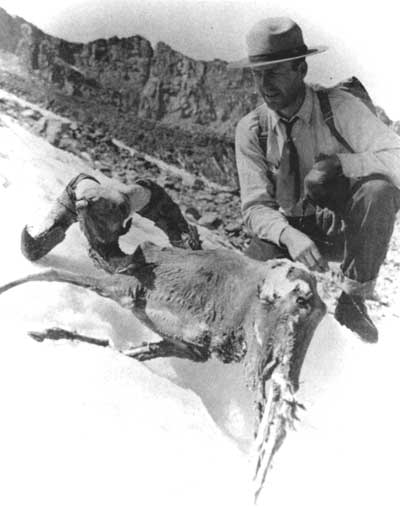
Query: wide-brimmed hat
[{"x": 275, "y": 40}]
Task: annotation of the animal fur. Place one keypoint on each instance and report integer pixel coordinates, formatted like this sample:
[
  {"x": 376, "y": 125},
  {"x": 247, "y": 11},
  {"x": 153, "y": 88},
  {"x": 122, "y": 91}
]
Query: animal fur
[{"x": 213, "y": 303}]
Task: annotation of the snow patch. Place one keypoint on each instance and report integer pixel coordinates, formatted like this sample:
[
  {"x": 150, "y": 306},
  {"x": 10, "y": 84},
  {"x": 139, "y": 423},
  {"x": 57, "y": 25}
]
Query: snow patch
[{"x": 84, "y": 426}]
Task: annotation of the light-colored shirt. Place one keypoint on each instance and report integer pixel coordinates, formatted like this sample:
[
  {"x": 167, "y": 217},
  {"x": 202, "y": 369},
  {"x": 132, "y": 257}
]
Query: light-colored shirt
[{"x": 376, "y": 146}]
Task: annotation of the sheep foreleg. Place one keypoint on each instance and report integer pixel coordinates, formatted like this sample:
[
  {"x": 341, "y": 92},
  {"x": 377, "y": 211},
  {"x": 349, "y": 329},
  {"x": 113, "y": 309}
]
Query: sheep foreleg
[
  {"x": 146, "y": 351},
  {"x": 168, "y": 348}
]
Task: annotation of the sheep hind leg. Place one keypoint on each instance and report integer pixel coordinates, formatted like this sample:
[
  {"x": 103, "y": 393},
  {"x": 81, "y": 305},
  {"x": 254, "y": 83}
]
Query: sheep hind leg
[{"x": 60, "y": 333}]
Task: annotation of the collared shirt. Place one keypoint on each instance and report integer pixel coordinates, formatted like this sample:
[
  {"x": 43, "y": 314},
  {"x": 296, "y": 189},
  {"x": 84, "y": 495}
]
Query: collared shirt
[{"x": 376, "y": 146}]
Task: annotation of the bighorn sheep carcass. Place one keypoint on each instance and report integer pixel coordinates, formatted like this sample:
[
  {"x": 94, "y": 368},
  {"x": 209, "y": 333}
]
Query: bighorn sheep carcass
[{"x": 218, "y": 303}]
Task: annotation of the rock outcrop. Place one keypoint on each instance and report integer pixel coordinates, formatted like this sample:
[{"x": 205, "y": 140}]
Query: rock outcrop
[
  {"x": 160, "y": 84},
  {"x": 183, "y": 109},
  {"x": 214, "y": 210}
]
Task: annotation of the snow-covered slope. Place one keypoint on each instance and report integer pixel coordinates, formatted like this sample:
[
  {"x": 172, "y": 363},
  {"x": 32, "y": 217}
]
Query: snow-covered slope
[{"x": 84, "y": 426}]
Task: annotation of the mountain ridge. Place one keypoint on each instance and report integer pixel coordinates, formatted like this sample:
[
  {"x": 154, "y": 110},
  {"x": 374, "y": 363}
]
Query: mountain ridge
[{"x": 157, "y": 100}]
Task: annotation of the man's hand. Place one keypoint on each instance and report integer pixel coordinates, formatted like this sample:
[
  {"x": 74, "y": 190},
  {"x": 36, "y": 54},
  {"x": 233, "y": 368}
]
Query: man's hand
[
  {"x": 320, "y": 182},
  {"x": 302, "y": 248}
]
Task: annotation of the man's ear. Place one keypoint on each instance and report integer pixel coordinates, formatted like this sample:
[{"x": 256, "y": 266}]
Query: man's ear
[{"x": 303, "y": 69}]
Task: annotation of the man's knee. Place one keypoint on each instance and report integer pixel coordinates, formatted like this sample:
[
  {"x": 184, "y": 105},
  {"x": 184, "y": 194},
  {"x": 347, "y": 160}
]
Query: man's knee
[{"x": 377, "y": 193}]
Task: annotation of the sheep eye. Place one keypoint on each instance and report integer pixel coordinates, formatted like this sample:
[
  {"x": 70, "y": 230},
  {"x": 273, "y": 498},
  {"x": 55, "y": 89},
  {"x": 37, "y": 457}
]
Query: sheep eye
[{"x": 301, "y": 302}]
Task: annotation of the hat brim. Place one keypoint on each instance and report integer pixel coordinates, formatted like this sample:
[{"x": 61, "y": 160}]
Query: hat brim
[{"x": 245, "y": 62}]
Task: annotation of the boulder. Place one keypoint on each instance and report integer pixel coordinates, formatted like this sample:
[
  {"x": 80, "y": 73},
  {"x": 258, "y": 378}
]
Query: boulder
[
  {"x": 52, "y": 128},
  {"x": 210, "y": 220}
]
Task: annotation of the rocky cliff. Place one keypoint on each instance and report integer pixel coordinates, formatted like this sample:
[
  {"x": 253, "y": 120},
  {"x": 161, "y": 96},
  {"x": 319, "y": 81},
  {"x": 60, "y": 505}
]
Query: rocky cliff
[
  {"x": 160, "y": 84},
  {"x": 158, "y": 99}
]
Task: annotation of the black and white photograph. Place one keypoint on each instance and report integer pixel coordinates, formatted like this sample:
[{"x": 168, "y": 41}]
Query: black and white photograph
[{"x": 200, "y": 254}]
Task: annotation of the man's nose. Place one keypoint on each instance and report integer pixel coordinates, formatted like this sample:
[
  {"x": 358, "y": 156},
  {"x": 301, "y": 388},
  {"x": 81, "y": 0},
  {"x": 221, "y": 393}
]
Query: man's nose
[{"x": 267, "y": 80}]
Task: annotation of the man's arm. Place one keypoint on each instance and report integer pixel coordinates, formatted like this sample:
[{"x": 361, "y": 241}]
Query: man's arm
[
  {"x": 377, "y": 146},
  {"x": 259, "y": 206}
]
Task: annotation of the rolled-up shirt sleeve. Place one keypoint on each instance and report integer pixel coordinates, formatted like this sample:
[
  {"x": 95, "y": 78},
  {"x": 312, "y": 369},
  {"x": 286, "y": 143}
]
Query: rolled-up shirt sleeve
[
  {"x": 377, "y": 146},
  {"x": 259, "y": 206}
]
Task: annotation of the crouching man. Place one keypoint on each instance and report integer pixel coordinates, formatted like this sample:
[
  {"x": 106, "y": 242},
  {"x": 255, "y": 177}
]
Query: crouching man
[{"x": 326, "y": 147}]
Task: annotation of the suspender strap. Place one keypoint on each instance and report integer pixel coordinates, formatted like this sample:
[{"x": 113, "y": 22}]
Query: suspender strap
[
  {"x": 263, "y": 130},
  {"x": 263, "y": 140},
  {"x": 327, "y": 114}
]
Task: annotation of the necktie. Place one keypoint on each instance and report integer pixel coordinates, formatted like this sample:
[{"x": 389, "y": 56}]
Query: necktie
[{"x": 288, "y": 184}]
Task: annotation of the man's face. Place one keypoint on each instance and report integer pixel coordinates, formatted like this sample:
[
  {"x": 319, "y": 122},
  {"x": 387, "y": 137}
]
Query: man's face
[{"x": 279, "y": 84}]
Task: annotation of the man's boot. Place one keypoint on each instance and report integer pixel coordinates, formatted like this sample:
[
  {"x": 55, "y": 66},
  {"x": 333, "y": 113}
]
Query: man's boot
[{"x": 352, "y": 312}]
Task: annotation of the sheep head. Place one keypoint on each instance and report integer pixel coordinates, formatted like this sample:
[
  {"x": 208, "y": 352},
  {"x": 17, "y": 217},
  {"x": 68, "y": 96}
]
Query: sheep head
[{"x": 288, "y": 312}]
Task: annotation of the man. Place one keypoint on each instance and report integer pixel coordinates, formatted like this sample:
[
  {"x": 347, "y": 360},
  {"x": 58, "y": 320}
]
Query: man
[{"x": 286, "y": 151}]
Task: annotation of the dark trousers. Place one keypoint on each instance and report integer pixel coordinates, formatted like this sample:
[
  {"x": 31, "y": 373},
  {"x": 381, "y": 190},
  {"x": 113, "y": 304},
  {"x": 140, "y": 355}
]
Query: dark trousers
[{"x": 368, "y": 212}]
